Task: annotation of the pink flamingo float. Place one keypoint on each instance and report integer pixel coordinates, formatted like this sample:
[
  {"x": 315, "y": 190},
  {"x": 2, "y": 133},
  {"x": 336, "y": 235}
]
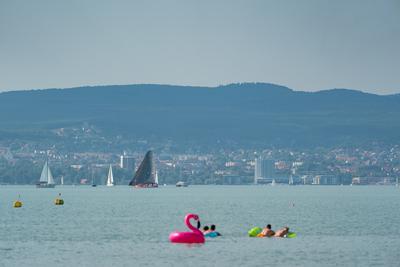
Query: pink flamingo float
[{"x": 196, "y": 236}]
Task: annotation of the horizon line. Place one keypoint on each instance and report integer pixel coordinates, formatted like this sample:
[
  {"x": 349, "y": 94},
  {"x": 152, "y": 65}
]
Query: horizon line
[{"x": 187, "y": 85}]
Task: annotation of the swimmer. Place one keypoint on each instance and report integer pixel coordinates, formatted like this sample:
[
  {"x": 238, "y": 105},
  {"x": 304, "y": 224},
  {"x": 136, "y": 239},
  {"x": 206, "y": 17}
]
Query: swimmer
[
  {"x": 206, "y": 230},
  {"x": 212, "y": 228},
  {"x": 282, "y": 232},
  {"x": 267, "y": 231}
]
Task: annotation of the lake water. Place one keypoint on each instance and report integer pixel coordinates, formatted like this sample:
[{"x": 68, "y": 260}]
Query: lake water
[{"x": 122, "y": 226}]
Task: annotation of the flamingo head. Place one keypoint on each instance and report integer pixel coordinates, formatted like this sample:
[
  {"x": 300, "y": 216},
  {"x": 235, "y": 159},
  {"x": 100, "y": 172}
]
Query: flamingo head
[{"x": 195, "y": 217}]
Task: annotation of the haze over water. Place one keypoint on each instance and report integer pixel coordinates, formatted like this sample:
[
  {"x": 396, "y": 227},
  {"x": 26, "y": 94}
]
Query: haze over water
[{"x": 121, "y": 226}]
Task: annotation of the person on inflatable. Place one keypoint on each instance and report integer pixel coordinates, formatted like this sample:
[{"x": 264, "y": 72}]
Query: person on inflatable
[
  {"x": 282, "y": 232},
  {"x": 267, "y": 232}
]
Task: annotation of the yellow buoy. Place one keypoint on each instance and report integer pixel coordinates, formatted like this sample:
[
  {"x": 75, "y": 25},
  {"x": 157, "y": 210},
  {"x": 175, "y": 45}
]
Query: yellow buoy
[
  {"x": 59, "y": 200},
  {"x": 17, "y": 204}
]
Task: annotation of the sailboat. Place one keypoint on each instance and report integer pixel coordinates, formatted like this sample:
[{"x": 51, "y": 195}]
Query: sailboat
[
  {"x": 181, "y": 184},
  {"x": 146, "y": 175},
  {"x": 93, "y": 183},
  {"x": 46, "y": 178},
  {"x": 110, "y": 177}
]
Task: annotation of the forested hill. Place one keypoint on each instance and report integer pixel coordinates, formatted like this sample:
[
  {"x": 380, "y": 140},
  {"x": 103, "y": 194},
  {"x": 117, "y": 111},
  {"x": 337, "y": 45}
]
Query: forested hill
[{"x": 240, "y": 113}]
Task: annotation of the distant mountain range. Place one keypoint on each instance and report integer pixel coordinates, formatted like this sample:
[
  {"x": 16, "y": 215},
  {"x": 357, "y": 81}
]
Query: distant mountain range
[{"x": 246, "y": 113}]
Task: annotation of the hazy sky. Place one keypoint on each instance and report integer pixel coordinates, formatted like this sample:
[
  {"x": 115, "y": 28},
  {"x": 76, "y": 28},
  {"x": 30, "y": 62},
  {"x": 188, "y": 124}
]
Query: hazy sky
[{"x": 306, "y": 45}]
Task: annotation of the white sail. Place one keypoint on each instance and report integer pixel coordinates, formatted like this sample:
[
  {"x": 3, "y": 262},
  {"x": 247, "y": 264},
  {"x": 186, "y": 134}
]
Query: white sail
[
  {"x": 156, "y": 179},
  {"x": 50, "y": 179},
  {"x": 62, "y": 180},
  {"x": 46, "y": 176},
  {"x": 110, "y": 177},
  {"x": 43, "y": 176}
]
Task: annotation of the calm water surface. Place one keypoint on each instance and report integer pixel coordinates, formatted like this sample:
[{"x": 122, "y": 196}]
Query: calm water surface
[{"x": 121, "y": 226}]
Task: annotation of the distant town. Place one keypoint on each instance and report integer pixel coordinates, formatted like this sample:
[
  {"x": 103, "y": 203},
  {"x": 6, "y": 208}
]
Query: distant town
[
  {"x": 242, "y": 133},
  {"x": 21, "y": 163}
]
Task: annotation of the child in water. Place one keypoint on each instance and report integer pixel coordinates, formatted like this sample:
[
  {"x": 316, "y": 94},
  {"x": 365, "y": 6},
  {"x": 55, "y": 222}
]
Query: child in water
[
  {"x": 210, "y": 231},
  {"x": 206, "y": 230},
  {"x": 212, "y": 227}
]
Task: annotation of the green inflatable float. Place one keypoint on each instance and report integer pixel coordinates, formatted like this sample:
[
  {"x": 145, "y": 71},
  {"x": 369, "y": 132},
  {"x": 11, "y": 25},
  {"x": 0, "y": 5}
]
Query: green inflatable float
[{"x": 253, "y": 232}]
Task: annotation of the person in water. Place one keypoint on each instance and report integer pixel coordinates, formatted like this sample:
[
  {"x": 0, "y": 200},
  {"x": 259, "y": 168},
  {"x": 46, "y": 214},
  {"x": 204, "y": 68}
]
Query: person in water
[
  {"x": 267, "y": 231},
  {"x": 212, "y": 228},
  {"x": 206, "y": 230},
  {"x": 282, "y": 232}
]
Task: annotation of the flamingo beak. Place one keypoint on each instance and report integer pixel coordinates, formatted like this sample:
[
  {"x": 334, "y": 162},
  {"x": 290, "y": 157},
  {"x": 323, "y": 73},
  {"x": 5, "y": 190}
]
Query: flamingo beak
[{"x": 198, "y": 225}]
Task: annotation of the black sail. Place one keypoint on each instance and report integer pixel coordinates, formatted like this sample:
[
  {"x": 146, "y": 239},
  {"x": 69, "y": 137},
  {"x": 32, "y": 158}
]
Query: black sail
[{"x": 145, "y": 174}]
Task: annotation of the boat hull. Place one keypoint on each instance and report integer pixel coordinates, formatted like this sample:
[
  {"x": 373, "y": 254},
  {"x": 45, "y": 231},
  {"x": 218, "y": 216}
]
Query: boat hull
[
  {"x": 42, "y": 185},
  {"x": 181, "y": 184},
  {"x": 149, "y": 185}
]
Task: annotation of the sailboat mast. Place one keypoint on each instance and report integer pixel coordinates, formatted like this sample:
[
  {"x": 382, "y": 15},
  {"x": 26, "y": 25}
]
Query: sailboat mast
[{"x": 91, "y": 170}]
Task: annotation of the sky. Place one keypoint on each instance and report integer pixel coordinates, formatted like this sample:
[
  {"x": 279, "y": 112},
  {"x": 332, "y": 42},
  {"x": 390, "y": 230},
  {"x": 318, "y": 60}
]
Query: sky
[{"x": 306, "y": 45}]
